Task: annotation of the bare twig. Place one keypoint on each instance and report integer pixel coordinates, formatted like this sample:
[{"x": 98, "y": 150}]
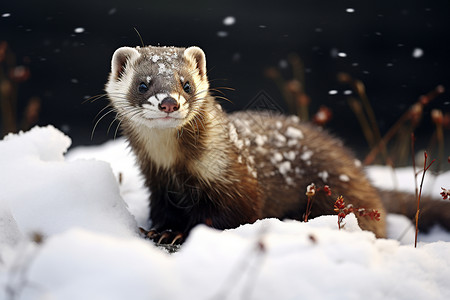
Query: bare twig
[
  {"x": 425, "y": 168},
  {"x": 413, "y": 114},
  {"x": 413, "y": 156}
]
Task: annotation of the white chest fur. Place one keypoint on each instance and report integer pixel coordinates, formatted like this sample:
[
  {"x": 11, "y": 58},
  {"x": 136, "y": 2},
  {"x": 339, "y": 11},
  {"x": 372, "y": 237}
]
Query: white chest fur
[{"x": 160, "y": 145}]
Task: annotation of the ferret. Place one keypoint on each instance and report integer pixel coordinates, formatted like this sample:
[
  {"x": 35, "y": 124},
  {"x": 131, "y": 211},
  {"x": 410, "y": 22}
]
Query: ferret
[{"x": 203, "y": 165}]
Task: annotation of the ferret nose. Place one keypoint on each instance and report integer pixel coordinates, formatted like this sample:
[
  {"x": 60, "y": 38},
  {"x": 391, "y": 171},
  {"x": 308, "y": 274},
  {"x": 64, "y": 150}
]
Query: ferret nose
[{"x": 169, "y": 105}]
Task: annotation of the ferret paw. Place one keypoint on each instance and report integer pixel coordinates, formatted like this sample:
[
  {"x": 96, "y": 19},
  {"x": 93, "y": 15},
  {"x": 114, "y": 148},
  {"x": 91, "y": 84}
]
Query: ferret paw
[{"x": 165, "y": 237}]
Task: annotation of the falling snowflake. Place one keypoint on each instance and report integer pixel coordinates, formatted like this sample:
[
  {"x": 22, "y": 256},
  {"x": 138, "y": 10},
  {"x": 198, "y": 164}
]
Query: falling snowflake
[
  {"x": 417, "y": 53},
  {"x": 228, "y": 21},
  {"x": 222, "y": 34}
]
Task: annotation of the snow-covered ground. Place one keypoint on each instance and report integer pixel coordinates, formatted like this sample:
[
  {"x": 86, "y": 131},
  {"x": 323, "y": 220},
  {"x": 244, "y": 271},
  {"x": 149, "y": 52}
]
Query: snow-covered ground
[{"x": 90, "y": 247}]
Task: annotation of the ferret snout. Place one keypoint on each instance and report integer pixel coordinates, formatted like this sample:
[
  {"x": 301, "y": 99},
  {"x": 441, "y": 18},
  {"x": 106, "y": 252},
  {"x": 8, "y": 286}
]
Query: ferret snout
[{"x": 169, "y": 105}]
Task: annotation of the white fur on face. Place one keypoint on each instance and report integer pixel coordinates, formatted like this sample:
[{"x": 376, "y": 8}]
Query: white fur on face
[
  {"x": 153, "y": 117},
  {"x": 155, "y": 100}
]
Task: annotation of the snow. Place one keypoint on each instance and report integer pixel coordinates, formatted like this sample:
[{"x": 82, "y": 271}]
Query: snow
[
  {"x": 332, "y": 92},
  {"x": 417, "y": 53},
  {"x": 276, "y": 158},
  {"x": 284, "y": 167},
  {"x": 344, "y": 178},
  {"x": 260, "y": 140},
  {"x": 79, "y": 30},
  {"x": 402, "y": 179},
  {"x": 222, "y": 34},
  {"x": 289, "y": 155},
  {"x": 306, "y": 155},
  {"x": 228, "y": 21},
  {"x": 294, "y": 133},
  {"x": 35, "y": 182},
  {"x": 88, "y": 203},
  {"x": 323, "y": 175}
]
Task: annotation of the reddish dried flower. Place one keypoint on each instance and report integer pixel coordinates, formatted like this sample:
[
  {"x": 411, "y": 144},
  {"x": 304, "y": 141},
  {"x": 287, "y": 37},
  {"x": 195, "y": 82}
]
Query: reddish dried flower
[
  {"x": 339, "y": 207},
  {"x": 348, "y": 209},
  {"x": 343, "y": 211},
  {"x": 339, "y": 204},
  {"x": 322, "y": 116},
  {"x": 415, "y": 112},
  {"x": 19, "y": 74},
  {"x": 311, "y": 190},
  {"x": 373, "y": 214},
  {"x": 437, "y": 116},
  {"x": 424, "y": 99},
  {"x": 294, "y": 86},
  {"x": 327, "y": 190},
  {"x": 445, "y": 193}
]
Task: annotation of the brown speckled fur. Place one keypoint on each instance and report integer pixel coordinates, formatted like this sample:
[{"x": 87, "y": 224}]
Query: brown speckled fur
[{"x": 328, "y": 154}]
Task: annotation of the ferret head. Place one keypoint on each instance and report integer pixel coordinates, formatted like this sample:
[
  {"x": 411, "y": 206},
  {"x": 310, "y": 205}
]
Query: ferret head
[{"x": 159, "y": 87}]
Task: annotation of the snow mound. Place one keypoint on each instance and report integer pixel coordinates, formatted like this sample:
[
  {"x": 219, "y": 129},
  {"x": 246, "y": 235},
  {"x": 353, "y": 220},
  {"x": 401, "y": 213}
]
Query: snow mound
[
  {"x": 123, "y": 163},
  {"x": 48, "y": 195},
  {"x": 270, "y": 259}
]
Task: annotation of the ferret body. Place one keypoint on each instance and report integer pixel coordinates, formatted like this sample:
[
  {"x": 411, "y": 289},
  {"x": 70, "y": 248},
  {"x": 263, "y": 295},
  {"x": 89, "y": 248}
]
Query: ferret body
[{"x": 205, "y": 166}]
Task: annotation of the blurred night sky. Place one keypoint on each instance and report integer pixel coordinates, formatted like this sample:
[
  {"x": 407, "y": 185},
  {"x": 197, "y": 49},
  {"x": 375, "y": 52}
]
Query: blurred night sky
[{"x": 399, "y": 49}]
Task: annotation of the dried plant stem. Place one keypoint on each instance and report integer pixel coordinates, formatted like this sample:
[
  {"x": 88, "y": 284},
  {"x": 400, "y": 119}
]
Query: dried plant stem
[
  {"x": 281, "y": 83},
  {"x": 365, "y": 114},
  {"x": 361, "y": 90},
  {"x": 308, "y": 208},
  {"x": 386, "y": 138},
  {"x": 440, "y": 142},
  {"x": 357, "y": 109},
  {"x": 298, "y": 71},
  {"x": 425, "y": 168},
  {"x": 413, "y": 156},
  {"x": 422, "y": 102}
]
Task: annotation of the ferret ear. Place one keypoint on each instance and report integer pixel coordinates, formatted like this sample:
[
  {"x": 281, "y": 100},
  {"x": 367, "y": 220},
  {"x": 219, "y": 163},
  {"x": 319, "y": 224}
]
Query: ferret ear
[
  {"x": 198, "y": 58},
  {"x": 119, "y": 60}
]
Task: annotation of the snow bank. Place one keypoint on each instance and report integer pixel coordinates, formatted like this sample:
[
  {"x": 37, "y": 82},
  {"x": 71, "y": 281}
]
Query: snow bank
[
  {"x": 266, "y": 260},
  {"x": 402, "y": 179},
  {"x": 122, "y": 162},
  {"x": 47, "y": 195},
  {"x": 91, "y": 250}
]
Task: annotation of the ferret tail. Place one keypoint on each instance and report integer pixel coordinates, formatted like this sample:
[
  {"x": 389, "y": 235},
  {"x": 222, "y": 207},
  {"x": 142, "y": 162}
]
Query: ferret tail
[{"x": 432, "y": 211}]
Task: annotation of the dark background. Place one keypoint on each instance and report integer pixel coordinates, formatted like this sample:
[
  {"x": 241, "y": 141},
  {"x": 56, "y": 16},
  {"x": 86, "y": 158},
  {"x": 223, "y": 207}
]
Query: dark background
[{"x": 379, "y": 39}]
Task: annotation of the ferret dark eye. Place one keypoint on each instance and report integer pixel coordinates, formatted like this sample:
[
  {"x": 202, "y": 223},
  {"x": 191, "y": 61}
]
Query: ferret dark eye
[
  {"x": 142, "y": 88},
  {"x": 187, "y": 87}
]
